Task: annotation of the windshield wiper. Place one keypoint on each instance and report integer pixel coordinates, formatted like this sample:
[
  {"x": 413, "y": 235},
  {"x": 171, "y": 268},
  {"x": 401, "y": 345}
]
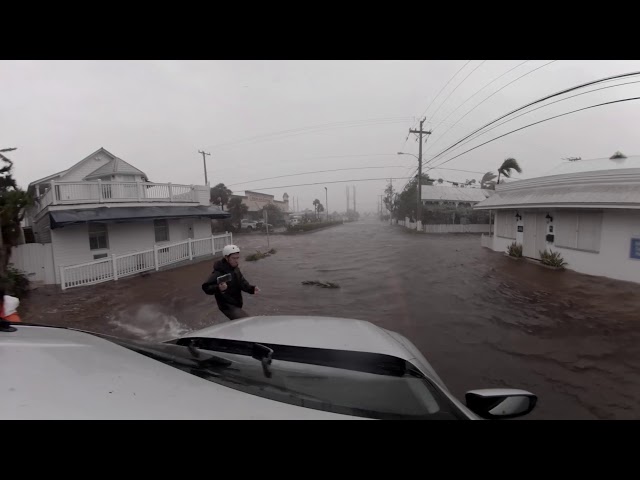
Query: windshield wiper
[
  {"x": 376, "y": 363},
  {"x": 188, "y": 355},
  {"x": 265, "y": 355}
]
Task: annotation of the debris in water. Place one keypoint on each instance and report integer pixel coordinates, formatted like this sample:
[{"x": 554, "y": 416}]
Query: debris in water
[
  {"x": 258, "y": 255},
  {"x": 321, "y": 284}
]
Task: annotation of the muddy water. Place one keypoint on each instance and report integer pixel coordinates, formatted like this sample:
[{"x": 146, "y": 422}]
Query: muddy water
[{"x": 482, "y": 319}]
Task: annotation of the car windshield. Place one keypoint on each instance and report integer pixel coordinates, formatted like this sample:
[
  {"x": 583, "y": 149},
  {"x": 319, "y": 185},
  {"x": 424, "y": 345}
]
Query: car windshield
[
  {"x": 338, "y": 390},
  {"x": 358, "y": 384}
]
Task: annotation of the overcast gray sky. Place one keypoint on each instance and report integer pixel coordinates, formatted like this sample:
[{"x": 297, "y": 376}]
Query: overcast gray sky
[{"x": 156, "y": 115}]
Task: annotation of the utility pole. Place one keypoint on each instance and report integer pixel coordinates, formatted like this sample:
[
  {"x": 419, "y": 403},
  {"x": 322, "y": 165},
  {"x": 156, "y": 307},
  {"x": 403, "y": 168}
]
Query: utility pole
[
  {"x": 347, "y": 187},
  {"x": 420, "y": 133},
  {"x": 204, "y": 161},
  {"x": 391, "y": 202},
  {"x": 326, "y": 201},
  {"x": 354, "y": 199}
]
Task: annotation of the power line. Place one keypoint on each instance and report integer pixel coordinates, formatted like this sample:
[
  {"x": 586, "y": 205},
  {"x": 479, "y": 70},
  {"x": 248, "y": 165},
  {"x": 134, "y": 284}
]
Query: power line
[
  {"x": 536, "y": 123},
  {"x": 562, "y": 92},
  {"x": 336, "y": 181},
  {"x": 477, "y": 92},
  {"x": 327, "y": 183},
  {"x": 340, "y": 170},
  {"x": 445, "y": 86},
  {"x": 433, "y": 100},
  {"x": 311, "y": 129},
  {"x": 500, "y": 89},
  {"x": 356, "y": 155},
  {"x": 543, "y": 106},
  {"x": 333, "y": 170},
  {"x": 316, "y": 171},
  {"x": 450, "y": 93}
]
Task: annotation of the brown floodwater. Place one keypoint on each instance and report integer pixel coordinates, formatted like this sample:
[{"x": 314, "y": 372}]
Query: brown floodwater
[{"x": 483, "y": 320}]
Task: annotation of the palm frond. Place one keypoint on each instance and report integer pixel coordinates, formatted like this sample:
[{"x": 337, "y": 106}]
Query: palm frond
[
  {"x": 487, "y": 177},
  {"x": 508, "y": 165}
]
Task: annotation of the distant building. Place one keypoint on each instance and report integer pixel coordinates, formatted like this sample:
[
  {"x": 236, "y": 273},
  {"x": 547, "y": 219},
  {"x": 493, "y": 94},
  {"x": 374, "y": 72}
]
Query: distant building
[{"x": 256, "y": 201}]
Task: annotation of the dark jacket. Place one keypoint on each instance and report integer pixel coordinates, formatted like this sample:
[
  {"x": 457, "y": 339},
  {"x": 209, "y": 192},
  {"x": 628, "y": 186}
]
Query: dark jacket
[{"x": 233, "y": 294}]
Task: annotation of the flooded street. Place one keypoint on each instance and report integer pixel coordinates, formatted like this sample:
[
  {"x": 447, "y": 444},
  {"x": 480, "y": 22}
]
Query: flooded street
[{"x": 483, "y": 320}]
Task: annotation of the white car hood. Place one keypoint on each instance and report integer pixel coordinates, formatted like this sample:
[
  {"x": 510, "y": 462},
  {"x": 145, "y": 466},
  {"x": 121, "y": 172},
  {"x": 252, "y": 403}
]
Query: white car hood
[
  {"x": 52, "y": 373},
  {"x": 309, "y": 331},
  {"x": 321, "y": 332}
]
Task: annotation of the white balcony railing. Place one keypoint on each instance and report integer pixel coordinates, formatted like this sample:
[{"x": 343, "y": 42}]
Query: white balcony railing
[{"x": 65, "y": 193}]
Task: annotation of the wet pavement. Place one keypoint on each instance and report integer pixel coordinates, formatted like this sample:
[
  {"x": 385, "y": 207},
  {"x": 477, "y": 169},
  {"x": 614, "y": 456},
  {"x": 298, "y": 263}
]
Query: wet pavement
[{"x": 483, "y": 320}]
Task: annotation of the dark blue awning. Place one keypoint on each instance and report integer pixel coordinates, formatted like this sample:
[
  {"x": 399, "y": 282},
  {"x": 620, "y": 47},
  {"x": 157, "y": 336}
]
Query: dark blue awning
[{"x": 60, "y": 218}]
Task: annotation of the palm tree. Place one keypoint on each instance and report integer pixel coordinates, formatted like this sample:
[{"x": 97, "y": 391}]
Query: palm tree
[
  {"x": 487, "y": 181},
  {"x": 237, "y": 209},
  {"x": 507, "y": 166},
  {"x": 220, "y": 195},
  {"x": 316, "y": 202},
  {"x": 13, "y": 205}
]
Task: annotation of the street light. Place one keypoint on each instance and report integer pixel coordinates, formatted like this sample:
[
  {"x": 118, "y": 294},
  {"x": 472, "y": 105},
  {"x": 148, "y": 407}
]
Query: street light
[
  {"x": 326, "y": 201},
  {"x": 403, "y": 153}
]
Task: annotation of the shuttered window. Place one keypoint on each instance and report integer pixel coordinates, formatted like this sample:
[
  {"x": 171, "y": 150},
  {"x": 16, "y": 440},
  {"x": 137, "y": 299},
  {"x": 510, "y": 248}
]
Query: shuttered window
[
  {"x": 506, "y": 224},
  {"x": 578, "y": 230}
]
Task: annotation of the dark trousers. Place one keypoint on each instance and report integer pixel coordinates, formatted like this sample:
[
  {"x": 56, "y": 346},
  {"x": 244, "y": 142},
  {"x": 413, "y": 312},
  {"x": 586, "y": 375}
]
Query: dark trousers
[{"x": 232, "y": 312}]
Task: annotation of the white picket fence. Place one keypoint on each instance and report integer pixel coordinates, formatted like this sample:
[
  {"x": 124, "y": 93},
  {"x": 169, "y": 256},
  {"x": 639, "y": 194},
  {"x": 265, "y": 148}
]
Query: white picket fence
[
  {"x": 120, "y": 266},
  {"x": 448, "y": 228}
]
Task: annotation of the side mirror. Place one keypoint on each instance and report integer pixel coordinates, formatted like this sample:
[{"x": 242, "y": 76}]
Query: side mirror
[{"x": 496, "y": 403}]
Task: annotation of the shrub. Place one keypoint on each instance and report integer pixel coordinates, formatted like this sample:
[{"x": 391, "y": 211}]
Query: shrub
[
  {"x": 552, "y": 259},
  {"x": 515, "y": 250}
]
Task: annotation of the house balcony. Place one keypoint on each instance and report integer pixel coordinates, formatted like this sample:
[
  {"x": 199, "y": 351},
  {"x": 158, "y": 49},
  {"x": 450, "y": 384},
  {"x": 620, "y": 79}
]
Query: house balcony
[{"x": 99, "y": 192}]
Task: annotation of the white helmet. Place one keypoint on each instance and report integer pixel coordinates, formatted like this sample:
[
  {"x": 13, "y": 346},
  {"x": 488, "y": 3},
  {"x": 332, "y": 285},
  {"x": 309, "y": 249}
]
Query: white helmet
[{"x": 229, "y": 250}]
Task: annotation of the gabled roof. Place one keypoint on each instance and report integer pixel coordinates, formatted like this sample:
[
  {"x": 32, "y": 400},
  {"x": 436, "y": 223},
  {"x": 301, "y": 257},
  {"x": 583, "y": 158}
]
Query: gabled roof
[
  {"x": 86, "y": 159},
  {"x": 50, "y": 177},
  {"x": 453, "y": 194},
  {"x": 115, "y": 166}
]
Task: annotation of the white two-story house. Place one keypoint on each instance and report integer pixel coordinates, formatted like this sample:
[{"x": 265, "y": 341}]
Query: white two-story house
[{"x": 103, "y": 219}]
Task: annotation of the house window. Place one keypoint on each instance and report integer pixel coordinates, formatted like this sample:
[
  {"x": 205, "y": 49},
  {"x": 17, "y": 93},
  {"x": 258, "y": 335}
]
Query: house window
[
  {"x": 578, "y": 230},
  {"x": 506, "y": 227},
  {"x": 98, "y": 238},
  {"x": 100, "y": 255},
  {"x": 161, "y": 228}
]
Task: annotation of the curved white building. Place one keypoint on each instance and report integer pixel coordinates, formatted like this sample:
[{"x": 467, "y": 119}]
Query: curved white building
[{"x": 589, "y": 211}]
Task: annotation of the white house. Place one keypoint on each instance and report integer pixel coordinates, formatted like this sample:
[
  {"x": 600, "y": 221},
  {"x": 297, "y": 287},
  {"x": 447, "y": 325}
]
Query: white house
[
  {"x": 588, "y": 211},
  {"x": 102, "y": 219},
  {"x": 432, "y": 194}
]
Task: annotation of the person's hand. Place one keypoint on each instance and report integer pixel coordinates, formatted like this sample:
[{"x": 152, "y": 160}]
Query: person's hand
[
  {"x": 222, "y": 286},
  {"x": 256, "y": 290}
]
